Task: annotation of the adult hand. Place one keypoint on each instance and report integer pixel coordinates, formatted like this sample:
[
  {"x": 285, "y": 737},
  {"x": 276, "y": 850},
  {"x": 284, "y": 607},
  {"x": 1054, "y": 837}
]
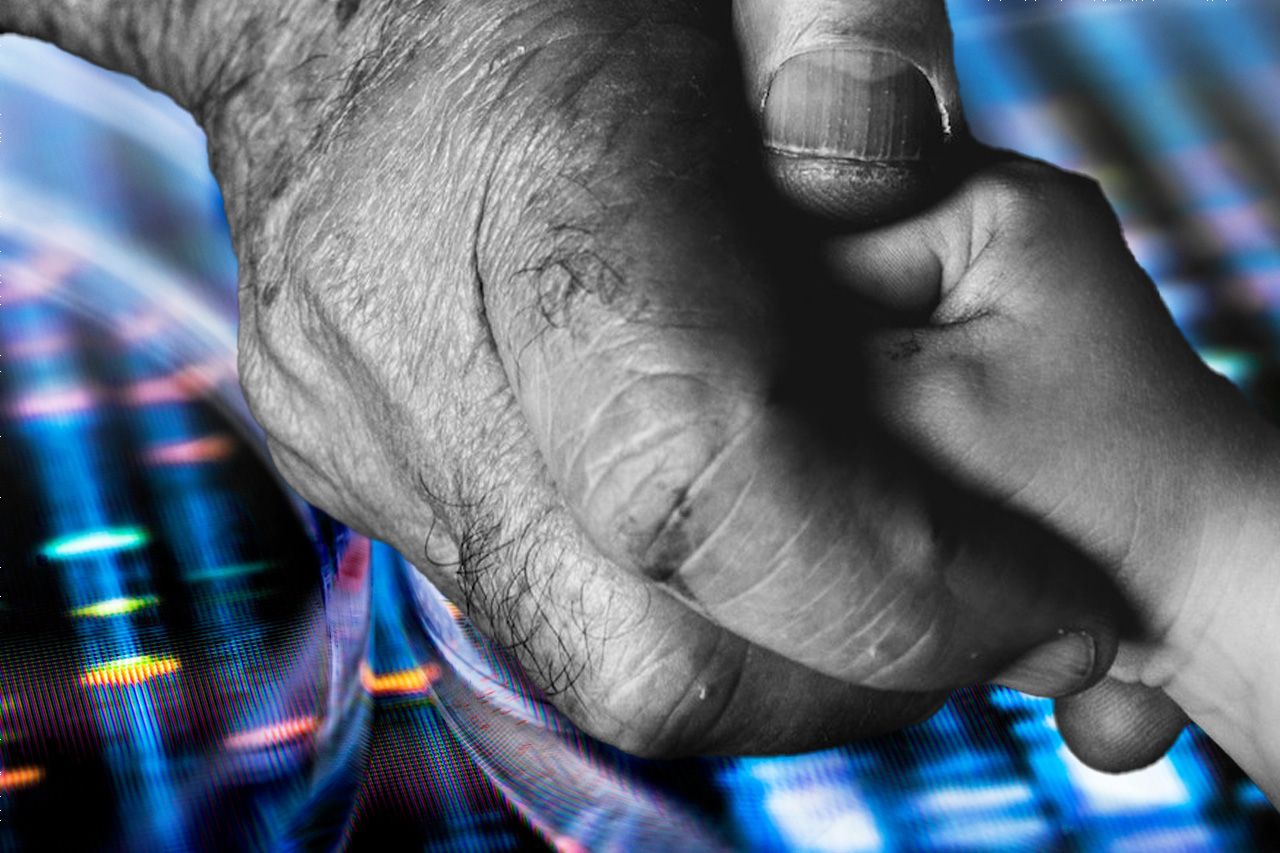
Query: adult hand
[{"x": 517, "y": 299}]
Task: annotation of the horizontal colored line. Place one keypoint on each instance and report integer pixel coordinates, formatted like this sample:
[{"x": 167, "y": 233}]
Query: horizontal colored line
[
  {"x": 49, "y": 403},
  {"x": 224, "y": 572},
  {"x": 38, "y": 277},
  {"x": 209, "y": 449},
  {"x": 272, "y": 734},
  {"x": 103, "y": 541},
  {"x": 188, "y": 384},
  {"x": 114, "y": 607},
  {"x": 13, "y": 778},
  {"x": 415, "y": 680},
  {"x": 134, "y": 670}
]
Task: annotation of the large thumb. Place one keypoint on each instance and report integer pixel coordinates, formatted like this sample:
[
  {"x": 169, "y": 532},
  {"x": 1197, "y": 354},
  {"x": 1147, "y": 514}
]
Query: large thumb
[{"x": 857, "y": 101}]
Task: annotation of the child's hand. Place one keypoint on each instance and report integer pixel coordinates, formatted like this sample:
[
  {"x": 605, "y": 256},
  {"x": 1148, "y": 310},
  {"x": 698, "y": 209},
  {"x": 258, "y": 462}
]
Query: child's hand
[{"x": 1049, "y": 375}]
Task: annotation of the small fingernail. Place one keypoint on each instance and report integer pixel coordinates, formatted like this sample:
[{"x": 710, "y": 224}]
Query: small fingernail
[
  {"x": 1054, "y": 669},
  {"x": 852, "y": 103}
]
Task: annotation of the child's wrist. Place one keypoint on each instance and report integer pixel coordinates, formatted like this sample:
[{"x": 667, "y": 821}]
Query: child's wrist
[{"x": 1220, "y": 656}]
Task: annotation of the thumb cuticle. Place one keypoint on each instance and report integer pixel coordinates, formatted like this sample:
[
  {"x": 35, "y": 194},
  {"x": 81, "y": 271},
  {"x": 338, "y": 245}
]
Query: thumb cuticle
[{"x": 853, "y": 102}]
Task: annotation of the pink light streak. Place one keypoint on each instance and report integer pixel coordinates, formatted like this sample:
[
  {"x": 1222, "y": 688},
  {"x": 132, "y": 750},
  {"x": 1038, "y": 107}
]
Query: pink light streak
[
  {"x": 211, "y": 448},
  {"x": 43, "y": 404},
  {"x": 272, "y": 734},
  {"x": 37, "y": 277},
  {"x": 181, "y": 386}
]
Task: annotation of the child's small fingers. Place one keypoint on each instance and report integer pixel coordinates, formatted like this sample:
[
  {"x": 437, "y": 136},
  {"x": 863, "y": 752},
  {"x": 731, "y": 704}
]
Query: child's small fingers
[{"x": 1118, "y": 727}]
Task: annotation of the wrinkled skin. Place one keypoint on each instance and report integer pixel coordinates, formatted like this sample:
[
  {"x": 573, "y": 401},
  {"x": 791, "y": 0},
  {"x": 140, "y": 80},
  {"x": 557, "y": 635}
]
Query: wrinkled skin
[
  {"x": 517, "y": 298},
  {"x": 517, "y": 303}
]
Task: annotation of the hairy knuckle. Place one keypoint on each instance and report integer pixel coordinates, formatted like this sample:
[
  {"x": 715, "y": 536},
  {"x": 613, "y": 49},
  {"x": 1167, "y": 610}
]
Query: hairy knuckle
[
  {"x": 503, "y": 579},
  {"x": 628, "y": 670}
]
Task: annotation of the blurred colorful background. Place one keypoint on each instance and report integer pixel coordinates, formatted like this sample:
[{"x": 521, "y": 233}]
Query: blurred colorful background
[{"x": 193, "y": 659}]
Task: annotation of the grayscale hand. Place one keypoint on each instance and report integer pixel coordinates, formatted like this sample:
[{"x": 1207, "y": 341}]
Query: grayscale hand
[{"x": 517, "y": 297}]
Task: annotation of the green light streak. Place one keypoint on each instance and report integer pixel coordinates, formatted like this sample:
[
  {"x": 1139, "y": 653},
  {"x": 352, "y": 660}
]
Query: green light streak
[
  {"x": 114, "y": 607},
  {"x": 96, "y": 542},
  {"x": 224, "y": 572}
]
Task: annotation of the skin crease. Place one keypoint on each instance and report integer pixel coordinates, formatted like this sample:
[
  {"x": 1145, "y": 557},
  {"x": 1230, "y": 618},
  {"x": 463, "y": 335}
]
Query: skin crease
[
  {"x": 460, "y": 338},
  {"x": 1103, "y": 421},
  {"x": 620, "y": 654}
]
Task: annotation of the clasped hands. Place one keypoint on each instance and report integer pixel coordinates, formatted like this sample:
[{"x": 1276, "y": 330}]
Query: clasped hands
[{"x": 728, "y": 450}]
